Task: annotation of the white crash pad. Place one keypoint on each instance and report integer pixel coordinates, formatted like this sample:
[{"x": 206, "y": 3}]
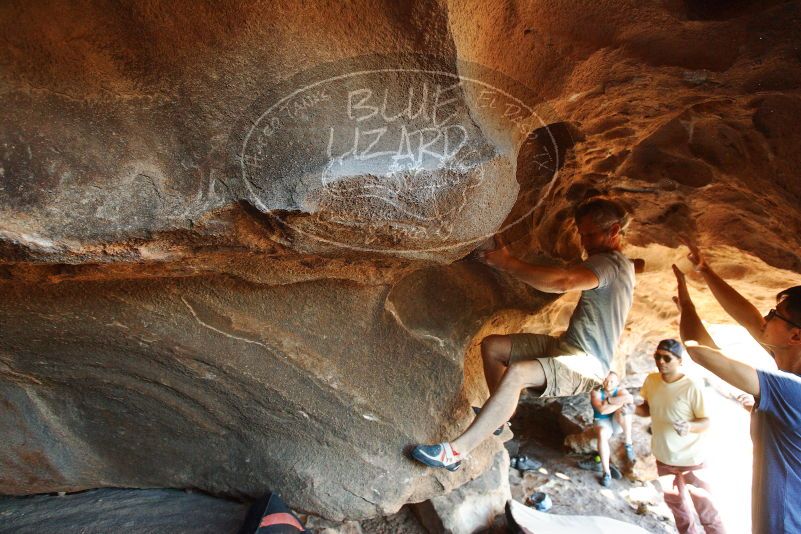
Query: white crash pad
[{"x": 533, "y": 522}]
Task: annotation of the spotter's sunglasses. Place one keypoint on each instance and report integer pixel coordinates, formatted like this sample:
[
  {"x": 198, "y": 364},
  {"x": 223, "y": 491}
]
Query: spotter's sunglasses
[
  {"x": 664, "y": 357},
  {"x": 773, "y": 313}
]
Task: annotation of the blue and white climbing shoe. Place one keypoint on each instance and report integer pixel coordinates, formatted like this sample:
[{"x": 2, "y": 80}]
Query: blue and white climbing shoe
[{"x": 439, "y": 455}]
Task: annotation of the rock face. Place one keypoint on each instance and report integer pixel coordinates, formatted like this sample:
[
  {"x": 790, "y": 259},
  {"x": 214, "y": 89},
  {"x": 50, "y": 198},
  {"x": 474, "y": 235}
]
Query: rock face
[
  {"x": 231, "y": 235},
  {"x": 472, "y": 507},
  {"x": 235, "y": 387}
]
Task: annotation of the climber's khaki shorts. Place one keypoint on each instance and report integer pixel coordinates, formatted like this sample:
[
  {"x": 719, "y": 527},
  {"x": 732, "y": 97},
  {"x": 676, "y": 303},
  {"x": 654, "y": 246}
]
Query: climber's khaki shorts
[{"x": 568, "y": 369}]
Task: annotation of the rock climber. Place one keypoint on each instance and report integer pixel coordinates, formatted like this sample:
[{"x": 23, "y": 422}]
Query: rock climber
[{"x": 571, "y": 364}]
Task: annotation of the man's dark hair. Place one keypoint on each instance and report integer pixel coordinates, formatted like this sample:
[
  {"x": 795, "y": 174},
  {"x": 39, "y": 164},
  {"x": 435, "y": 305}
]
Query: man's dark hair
[
  {"x": 672, "y": 346},
  {"x": 604, "y": 212},
  {"x": 792, "y": 302}
]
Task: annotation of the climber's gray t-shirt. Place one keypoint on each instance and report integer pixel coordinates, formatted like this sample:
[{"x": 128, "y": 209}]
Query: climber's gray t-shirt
[{"x": 598, "y": 319}]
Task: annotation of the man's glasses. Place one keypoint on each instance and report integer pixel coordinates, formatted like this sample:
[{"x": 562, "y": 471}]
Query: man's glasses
[
  {"x": 773, "y": 313},
  {"x": 664, "y": 357}
]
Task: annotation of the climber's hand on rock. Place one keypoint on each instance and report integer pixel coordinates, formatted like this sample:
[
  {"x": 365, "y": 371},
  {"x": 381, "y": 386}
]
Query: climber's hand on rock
[
  {"x": 488, "y": 245},
  {"x": 497, "y": 257}
]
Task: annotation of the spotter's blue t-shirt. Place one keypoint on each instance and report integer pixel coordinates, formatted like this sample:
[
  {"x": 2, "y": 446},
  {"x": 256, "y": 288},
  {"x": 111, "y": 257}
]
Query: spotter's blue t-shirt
[{"x": 776, "y": 433}]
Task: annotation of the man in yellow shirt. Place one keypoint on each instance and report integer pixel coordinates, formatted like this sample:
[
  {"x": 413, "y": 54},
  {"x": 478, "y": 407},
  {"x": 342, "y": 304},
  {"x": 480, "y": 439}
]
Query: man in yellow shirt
[{"x": 675, "y": 403}]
